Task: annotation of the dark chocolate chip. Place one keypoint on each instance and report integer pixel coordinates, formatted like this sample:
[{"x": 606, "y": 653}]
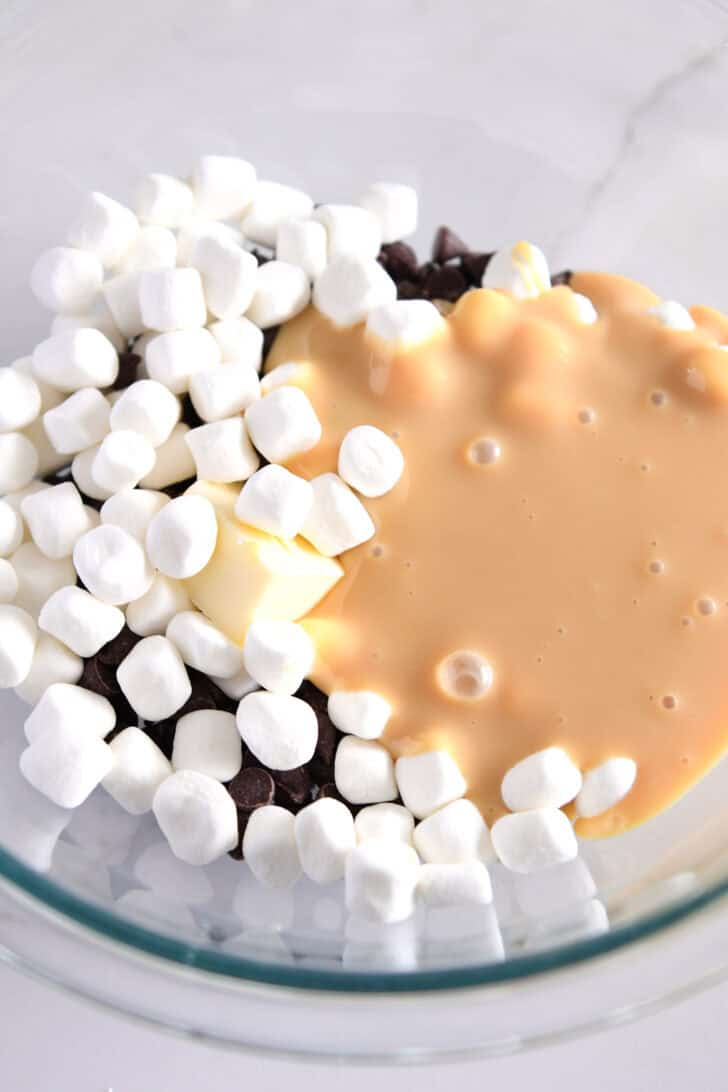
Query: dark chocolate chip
[
  {"x": 407, "y": 290},
  {"x": 293, "y": 788},
  {"x": 128, "y": 365},
  {"x": 162, "y": 733},
  {"x": 237, "y": 852},
  {"x": 447, "y": 245},
  {"x": 562, "y": 278},
  {"x": 330, "y": 792},
  {"x": 269, "y": 337},
  {"x": 58, "y": 477},
  {"x": 118, "y": 648},
  {"x": 190, "y": 416},
  {"x": 400, "y": 261},
  {"x": 176, "y": 489},
  {"x": 446, "y": 283},
  {"x": 100, "y": 678},
  {"x": 252, "y": 788},
  {"x": 474, "y": 265},
  {"x": 90, "y": 501},
  {"x": 262, "y": 256}
]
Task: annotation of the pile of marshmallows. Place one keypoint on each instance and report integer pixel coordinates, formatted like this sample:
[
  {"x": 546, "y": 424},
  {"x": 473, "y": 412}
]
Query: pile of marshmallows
[{"x": 176, "y": 277}]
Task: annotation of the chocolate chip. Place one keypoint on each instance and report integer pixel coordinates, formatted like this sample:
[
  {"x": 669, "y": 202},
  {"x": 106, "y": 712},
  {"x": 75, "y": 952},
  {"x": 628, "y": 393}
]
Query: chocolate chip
[
  {"x": 58, "y": 477},
  {"x": 269, "y": 337},
  {"x": 119, "y": 648},
  {"x": 161, "y": 732},
  {"x": 447, "y": 245},
  {"x": 252, "y": 788},
  {"x": 399, "y": 260},
  {"x": 237, "y": 852},
  {"x": 293, "y": 788},
  {"x": 445, "y": 283},
  {"x": 176, "y": 489},
  {"x": 262, "y": 256},
  {"x": 128, "y": 365},
  {"x": 474, "y": 266},
  {"x": 101, "y": 679},
  {"x": 407, "y": 290},
  {"x": 562, "y": 278},
  {"x": 190, "y": 416}
]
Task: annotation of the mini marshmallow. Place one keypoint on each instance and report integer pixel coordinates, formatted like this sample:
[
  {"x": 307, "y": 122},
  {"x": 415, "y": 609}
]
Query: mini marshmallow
[
  {"x": 529, "y": 841},
  {"x": 395, "y": 207},
  {"x": 208, "y": 741},
  {"x": 155, "y": 610},
  {"x": 229, "y": 276},
  {"x": 122, "y": 460},
  {"x": 20, "y": 399},
  {"x": 147, "y": 408},
  {"x": 163, "y": 200},
  {"x": 181, "y": 537},
  {"x": 278, "y": 654},
  {"x": 672, "y": 315},
  {"x": 303, "y": 243},
  {"x": 121, "y": 294},
  {"x": 153, "y": 248},
  {"x": 338, "y": 521},
  {"x": 66, "y": 279},
  {"x": 78, "y": 423},
  {"x": 385, "y": 821},
  {"x": 237, "y": 686},
  {"x": 364, "y": 772},
  {"x": 64, "y": 705},
  {"x": 545, "y": 779},
  {"x": 76, "y": 358},
  {"x": 325, "y": 836},
  {"x": 172, "y": 299},
  {"x": 360, "y": 713},
  {"x": 381, "y": 879},
  {"x": 281, "y": 731},
  {"x": 197, "y": 228},
  {"x": 39, "y": 576},
  {"x": 52, "y": 663},
  {"x": 453, "y": 834},
  {"x": 18, "y": 637},
  {"x": 604, "y": 786},
  {"x": 172, "y": 359},
  {"x": 49, "y": 460},
  {"x": 112, "y": 565},
  {"x": 197, "y": 816},
  {"x": 276, "y": 501},
  {"x": 80, "y": 621},
  {"x": 464, "y": 884},
  {"x": 350, "y": 230},
  {"x": 428, "y": 781},
  {"x": 273, "y": 203},
  {"x": 8, "y": 581},
  {"x": 18, "y": 461},
  {"x": 281, "y": 292},
  {"x": 11, "y": 528},
  {"x": 349, "y": 288},
  {"x": 269, "y": 847},
  {"x": 586, "y": 312},
  {"x": 283, "y": 375},
  {"x": 239, "y": 340},
  {"x": 222, "y": 451},
  {"x": 154, "y": 679},
  {"x": 49, "y": 396},
  {"x": 133, "y": 510},
  {"x": 174, "y": 461},
  {"x": 105, "y": 228},
  {"x": 223, "y": 185},
  {"x": 81, "y": 468},
  {"x": 97, "y": 317},
  {"x": 521, "y": 270},
  {"x": 138, "y": 771},
  {"x": 56, "y": 518},
  {"x": 405, "y": 323},
  {"x": 370, "y": 461},
  {"x": 224, "y": 392},
  {"x": 203, "y": 646},
  {"x": 65, "y": 765},
  {"x": 283, "y": 424}
]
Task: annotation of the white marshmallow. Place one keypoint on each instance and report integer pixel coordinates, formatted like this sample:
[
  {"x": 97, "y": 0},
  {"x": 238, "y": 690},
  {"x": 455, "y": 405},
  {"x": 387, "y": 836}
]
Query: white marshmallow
[
  {"x": 105, "y": 228},
  {"x": 56, "y": 518},
  {"x": 39, "y": 576},
  {"x": 153, "y": 248},
  {"x": 604, "y": 786},
  {"x": 395, "y": 207},
  {"x": 11, "y": 528},
  {"x": 197, "y": 816},
  {"x": 283, "y": 424},
  {"x": 381, "y": 880},
  {"x": 81, "y": 467},
  {"x": 364, "y": 772},
  {"x": 222, "y": 451},
  {"x": 133, "y": 510},
  {"x": 80, "y": 621},
  {"x": 278, "y": 654},
  {"x": 52, "y": 663},
  {"x": 155, "y": 610},
  {"x": 148, "y": 409},
  {"x": 98, "y": 316},
  {"x": 16, "y": 499},
  {"x": 545, "y": 779},
  {"x": 359, "y": 712},
  {"x": 281, "y": 731},
  {"x": 276, "y": 501},
  {"x": 18, "y": 637},
  {"x": 208, "y": 741},
  {"x": 388, "y": 821},
  {"x": 281, "y": 292},
  {"x": 239, "y": 340},
  {"x": 174, "y": 461},
  {"x": 283, "y": 375},
  {"x": 273, "y": 203},
  {"x": 172, "y": 299},
  {"x": 529, "y": 841},
  {"x": 338, "y": 521},
  {"x": 405, "y": 323},
  {"x": 370, "y": 461},
  {"x": 224, "y": 186},
  {"x": 78, "y": 423},
  {"x": 181, "y": 537},
  {"x": 76, "y": 358},
  {"x": 428, "y": 781},
  {"x": 350, "y": 230},
  {"x": 138, "y": 771},
  {"x": 163, "y": 200},
  {"x": 521, "y": 270},
  {"x": 303, "y": 243},
  {"x": 464, "y": 884},
  {"x": 325, "y": 837},
  {"x": 269, "y": 847},
  {"x": 203, "y": 646},
  {"x": 229, "y": 276},
  {"x": 112, "y": 565},
  {"x": 65, "y": 765},
  {"x": 154, "y": 679},
  {"x": 122, "y": 298},
  {"x": 66, "y": 279},
  {"x": 18, "y": 461},
  {"x": 237, "y": 686},
  {"x": 196, "y": 228},
  {"x": 223, "y": 392},
  {"x": 672, "y": 315},
  {"x": 586, "y": 312},
  {"x": 8, "y": 581},
  {"x": 349, "y": 288},
  {"x": 173, "y": 358},
  {"x": 122, "y": 460},
  {"x": 49, "y": 460},
  {"x": 20, "y": 399},
  {"x": 64, "y": 705},
  {"x": 453, "y": 834},
  {"x": 49, "y": 396}
]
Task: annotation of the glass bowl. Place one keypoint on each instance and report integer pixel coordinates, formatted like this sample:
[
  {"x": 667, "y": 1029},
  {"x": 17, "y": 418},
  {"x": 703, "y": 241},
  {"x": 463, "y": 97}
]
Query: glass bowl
[{"x": 598, "y": 131}]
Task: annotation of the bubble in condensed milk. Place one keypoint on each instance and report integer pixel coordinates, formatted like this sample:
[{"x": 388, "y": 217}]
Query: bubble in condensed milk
[
  {"x": 587, "y": 416},
  {"x": 484, "y": 451},
  {"x": 706, "y": 605},
  {"x": 465, "y": 676}
]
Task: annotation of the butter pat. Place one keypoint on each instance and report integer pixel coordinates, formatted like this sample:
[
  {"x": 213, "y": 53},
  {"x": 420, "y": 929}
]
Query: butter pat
[{"x": 254, "y": 575}]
